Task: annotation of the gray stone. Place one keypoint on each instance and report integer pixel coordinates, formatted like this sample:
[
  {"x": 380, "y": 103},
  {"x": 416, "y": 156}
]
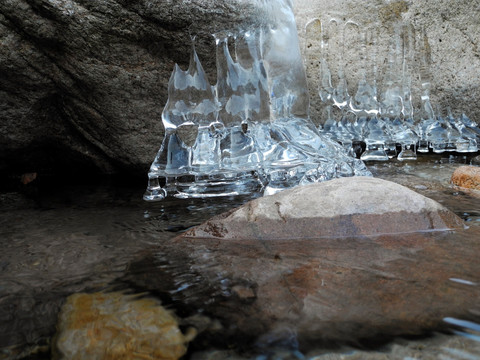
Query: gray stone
[
  {"x": 353, "y": 206},
  {"x": 83, "y": 83}
]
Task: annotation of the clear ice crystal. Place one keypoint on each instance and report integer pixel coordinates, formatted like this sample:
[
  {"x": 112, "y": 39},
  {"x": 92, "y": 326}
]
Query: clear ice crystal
[{"x": 251, "y": 131}]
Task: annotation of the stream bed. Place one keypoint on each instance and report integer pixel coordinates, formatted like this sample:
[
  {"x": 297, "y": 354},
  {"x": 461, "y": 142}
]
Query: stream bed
[{"x": 58, "y": 240}]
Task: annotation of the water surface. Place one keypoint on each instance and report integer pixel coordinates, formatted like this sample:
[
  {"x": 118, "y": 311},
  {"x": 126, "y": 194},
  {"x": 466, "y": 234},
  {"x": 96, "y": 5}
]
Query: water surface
[{"x": 66, "y": 239}]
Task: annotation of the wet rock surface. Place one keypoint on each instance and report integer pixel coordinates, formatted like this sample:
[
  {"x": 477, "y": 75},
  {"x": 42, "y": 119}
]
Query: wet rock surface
[
  {"x": 41, "y": 265},
  {"x": 329, "y": 290},
  {"x": 250, "y": 295},
  {"x": 270, "y": 261},
  {"x": 70, "y": 239},
  {"x": 326, "y": 289},
  {"x": 426, "y": 348}
]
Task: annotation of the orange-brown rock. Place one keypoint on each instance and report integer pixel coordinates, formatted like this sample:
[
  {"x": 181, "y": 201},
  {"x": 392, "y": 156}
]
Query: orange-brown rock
[
  {"x": 28, "y": 178},
  {"x": 109, "y": 326},
  {"x": 467, "y": 177}
]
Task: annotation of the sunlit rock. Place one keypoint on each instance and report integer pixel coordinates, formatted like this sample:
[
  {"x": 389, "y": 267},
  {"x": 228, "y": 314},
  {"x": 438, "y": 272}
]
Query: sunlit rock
[
  {"x": 467, "y": 177},
  {"x": 341, "y": 207},
  {"x": 453, "y": 80},
  {"x": 118, "y": 326},
  {"x": 382, "y": 87}
]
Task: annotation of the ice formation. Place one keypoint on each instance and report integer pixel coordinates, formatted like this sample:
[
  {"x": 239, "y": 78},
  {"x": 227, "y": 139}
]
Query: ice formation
[
  {"x": 250, "y": 132},
  {"x": 380, "y": 113}
]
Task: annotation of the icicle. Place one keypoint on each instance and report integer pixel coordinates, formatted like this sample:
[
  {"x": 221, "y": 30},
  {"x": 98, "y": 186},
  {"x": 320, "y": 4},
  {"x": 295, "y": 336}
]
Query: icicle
[
  {"x": 407, "y": 66},
  {"x": 251, "y": 130},
  {"x": 340, "y": 94},
  {"x": 326, "y": 89},
  {"x": 364, "y": 102},
  {"x": 392, "y": 95},
  {"x": 424, "y": 53},
  {"x": 257, "y": 98}
]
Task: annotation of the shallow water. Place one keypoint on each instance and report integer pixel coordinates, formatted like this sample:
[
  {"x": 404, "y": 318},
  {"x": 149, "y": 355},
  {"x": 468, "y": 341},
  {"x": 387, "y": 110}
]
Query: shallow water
[{"x": 66, "y": 239}]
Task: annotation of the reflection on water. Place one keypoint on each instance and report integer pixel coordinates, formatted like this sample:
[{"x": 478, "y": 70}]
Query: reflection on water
[{"x": 59, "y": 241}]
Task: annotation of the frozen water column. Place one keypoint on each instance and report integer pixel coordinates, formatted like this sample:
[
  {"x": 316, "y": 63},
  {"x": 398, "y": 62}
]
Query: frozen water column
[
  {"x": 283, "y": 60},
  {"x": 251, "y": 131},
  {"x": 201, "y": 153}
]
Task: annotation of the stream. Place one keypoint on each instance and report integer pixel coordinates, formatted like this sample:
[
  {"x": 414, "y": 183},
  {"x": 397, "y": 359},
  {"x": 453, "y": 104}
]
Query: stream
[{"x": 59, "y": 239}]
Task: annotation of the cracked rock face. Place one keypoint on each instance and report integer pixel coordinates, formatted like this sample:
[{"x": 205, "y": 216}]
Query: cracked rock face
[{"x": 83, "y": 83}]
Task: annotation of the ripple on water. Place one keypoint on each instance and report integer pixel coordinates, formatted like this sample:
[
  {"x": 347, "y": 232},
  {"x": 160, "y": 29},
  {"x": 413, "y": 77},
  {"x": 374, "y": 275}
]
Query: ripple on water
[{"x": 392, "y": 285}]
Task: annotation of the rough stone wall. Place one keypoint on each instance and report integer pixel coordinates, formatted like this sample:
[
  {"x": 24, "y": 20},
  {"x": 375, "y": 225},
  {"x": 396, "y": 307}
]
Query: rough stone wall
[
  {"x": 83, "y": 83},
  {"x": 453, "y": 30}
]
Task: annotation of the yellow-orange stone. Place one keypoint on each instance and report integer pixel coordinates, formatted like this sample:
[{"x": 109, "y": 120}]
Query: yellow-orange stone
[
  {"x": 113, "y": 326},
  {"x": 467, "y": 177}
]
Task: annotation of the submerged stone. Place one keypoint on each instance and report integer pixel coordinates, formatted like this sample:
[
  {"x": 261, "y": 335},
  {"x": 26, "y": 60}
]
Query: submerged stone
[
  {"x": 117, "y": 326},
  {"x": 340, "y": 261}
]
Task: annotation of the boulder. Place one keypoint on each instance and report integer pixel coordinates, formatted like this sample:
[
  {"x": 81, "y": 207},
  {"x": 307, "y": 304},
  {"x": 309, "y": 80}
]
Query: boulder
[
  {"x": 467, "y": 177},
  {"x": 342, "y": 207},
  {"x": 83, "y": 84},
  {"x": 341, "y": 261}
]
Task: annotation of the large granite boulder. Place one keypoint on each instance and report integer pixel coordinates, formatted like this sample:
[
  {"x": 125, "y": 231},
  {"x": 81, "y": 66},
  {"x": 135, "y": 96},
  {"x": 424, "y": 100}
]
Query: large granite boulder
[
  {"x": 304, "y": 263},
  {"x": 83, "y": 83}
]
